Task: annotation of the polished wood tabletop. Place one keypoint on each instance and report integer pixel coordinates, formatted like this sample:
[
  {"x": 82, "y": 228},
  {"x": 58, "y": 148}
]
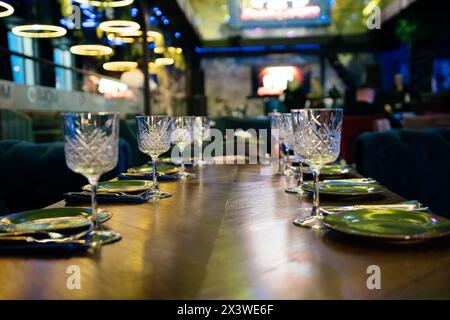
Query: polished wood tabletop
[{"x": 228, "y": 234}]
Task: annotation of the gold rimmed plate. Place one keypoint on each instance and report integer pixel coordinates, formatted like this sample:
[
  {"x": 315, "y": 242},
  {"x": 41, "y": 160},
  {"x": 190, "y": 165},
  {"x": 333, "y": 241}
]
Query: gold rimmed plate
[
  {"x": 332, "y": 170},
  {"x": 390, "y": 224},
  {"x": 167, "y": 169},
  {"x": 346, "y": 189},
  {"x": 50, "y": 219},
  {"x": 121, "y": 186}
]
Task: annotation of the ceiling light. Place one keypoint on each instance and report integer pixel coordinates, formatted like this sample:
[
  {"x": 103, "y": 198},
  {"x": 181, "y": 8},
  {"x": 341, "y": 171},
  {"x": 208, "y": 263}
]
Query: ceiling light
[
  {"x": 119, "y": 26},
  {"x": 164, "y": 61},
  {"x": 154, "y": 34},
  {"x": 91, "y": 50},
  {"x": 106, "y": 3},
  {"x": 137, "y": 33},
  {"x": 39, "y": 31},
  {"x": 120, "y": 66},
  {"x": 8, "y": 9}
]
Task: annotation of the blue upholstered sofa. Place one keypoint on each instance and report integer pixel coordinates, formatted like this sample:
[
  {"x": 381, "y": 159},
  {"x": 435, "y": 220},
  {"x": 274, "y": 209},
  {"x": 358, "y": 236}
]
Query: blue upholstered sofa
[
  {"x": 35, "y": 175},
  {"x": 414, "y": 164}
]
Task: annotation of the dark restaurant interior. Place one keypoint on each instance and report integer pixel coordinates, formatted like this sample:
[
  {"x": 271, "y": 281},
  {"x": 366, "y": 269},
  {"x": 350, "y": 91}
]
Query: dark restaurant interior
[{"x": 135, "y": 131}]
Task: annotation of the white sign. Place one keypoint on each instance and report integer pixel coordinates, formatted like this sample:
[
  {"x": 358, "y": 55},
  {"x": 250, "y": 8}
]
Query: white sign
[{"x": 38, "y": 98}]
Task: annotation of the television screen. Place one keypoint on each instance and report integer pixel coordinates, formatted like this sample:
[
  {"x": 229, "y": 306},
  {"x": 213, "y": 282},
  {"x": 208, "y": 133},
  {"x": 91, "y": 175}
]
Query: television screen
[
  {"x": 279, "y": 13},
  {"x": 273, "y": 80}
]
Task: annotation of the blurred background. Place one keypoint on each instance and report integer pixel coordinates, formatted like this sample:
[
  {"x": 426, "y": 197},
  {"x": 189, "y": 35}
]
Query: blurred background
[{"x": 386, "y": 62}]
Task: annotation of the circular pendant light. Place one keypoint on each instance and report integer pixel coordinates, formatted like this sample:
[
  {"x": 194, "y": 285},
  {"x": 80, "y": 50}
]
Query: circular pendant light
[
  {"x": 120, "y": 66},
  {"x": 39, "y": 31},
  {"x": 7, "y": 9},
  {"x": 119, "y": 26},
  {"x": 91, "y": 50},
  {"x": 106, "y": 3},
  {"x": 164, "y": 61}
]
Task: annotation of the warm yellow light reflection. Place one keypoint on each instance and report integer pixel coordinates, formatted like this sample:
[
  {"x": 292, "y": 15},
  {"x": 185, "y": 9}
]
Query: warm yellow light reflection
[
  {"x": 152, "y": 67},
  {"x": 175, "y": 50},
  {"x": 39, "y": 31},
  {"x": 119, "y": 26},
  {"x": 164, "y": 61},
  {"x": 137, "y": 33},
  {"x": 106, "y": 3},
  {"x": 154, "y": 36},
  {"x": 159, "y": 50},
  {"x": 125, "y": 37},
  {"x": 91, "y": 50},
  {"x": 120, "y": 66},
  {"x": 7, "y": 9}
]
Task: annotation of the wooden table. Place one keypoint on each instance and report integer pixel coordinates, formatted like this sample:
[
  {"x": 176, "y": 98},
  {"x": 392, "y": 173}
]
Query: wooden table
[{"x": 228, "y": 234}]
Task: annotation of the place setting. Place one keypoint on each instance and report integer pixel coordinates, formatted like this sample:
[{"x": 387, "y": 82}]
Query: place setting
[
  {"x": 52, "y": 230},
  {"x": 316, "y": 141},
  {"x": 166, "y": 171},
  {"x": 114, "y": 191},
  {"x": 91, "y": 149}
]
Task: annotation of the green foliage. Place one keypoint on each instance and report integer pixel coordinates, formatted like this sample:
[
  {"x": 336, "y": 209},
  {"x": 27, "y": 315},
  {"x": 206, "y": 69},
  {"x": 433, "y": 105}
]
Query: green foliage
[{"x": 405, "y": 31}]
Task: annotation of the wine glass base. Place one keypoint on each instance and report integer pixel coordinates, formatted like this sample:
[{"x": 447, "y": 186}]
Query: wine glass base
[
  {"x": 161, "y": 195},
  {"x": 201, "y": 162},
  {"x": 294, "y": 189},
  {"x": 312, "y": 222},
  {"x": 186, "y": 175},
  {"x": 104, "y": 237}
]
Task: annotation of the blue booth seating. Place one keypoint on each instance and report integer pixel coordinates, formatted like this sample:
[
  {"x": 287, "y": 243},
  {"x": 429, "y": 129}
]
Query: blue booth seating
[
  {"x": 413, "y": 164},
  {"x": 36, "y": 175},
  {"x": 128, "y": 132}
]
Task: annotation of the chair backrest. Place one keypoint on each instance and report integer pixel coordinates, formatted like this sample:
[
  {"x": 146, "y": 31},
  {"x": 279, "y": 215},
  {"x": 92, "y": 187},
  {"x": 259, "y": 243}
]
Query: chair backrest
[
  {"x": 353, "y": 126},
  {"x": 414, "y": 164},
  {"x": 35, "y": 175},
  {"x": 128, "y": 132},
  {"x": 15, "y": 125}
]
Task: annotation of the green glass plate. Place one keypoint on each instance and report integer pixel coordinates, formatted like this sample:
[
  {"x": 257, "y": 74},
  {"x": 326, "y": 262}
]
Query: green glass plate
[
  {"x": 345, "y": 189},
  {"x": 51, "y": 219},
  {"x": 389, "y": 224},
  {"x": 330, "y": 170},
  {"x": 116, "y": 186},
  {"x": 162, "y": 168}
]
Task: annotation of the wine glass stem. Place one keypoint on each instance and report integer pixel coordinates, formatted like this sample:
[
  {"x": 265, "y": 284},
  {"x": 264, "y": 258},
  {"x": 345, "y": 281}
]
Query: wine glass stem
[
  {"x": 300, "y": 176},
  {"x": 94, "y": 183},
  {"x": 316, "y": 208},
  {"x": 155, "y": 175},
  {"x": 286, "y": 158},
  {"x": 201, "y": 151},
  {"x": 182, "y": 160}
]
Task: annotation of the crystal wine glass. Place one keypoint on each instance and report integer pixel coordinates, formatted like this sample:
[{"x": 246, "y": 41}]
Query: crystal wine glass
[
  {"x": 287, "y": 136},
  {"x": 154, "y": 140},
  {"x": 317, "y": 139},
  {"x": 202, "y": 132},
  {"x": 91, "y": 147},
  {"x": 182, "y": 136}
]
